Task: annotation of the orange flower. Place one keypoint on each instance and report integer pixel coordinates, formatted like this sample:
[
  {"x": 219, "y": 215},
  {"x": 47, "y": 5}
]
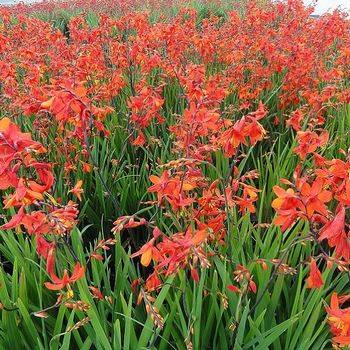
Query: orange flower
[
  {"x": 287, "y": 206},
  {"x": 302, "y": 202},
  {"x": 153, "y": 282},
  {"x": 146, "y": 253},
  {"x": 334, "y": 232},
  {"x": 309, "y": 141},
  {"x": 86, "y": 167},
  {"x": 314, "y": 197},
  {"x": 43, "y": 247},
  {"x": 315, "y": 278},
  {"x": 171, "y": 189},
  {"x": 339, "y": 320},
  {"x": 77, "y": 190},
  {"x": 66, "y": 280}
]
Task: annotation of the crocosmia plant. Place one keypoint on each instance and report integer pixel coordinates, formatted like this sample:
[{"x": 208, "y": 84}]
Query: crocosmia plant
[{"x": 174, "y": 175}]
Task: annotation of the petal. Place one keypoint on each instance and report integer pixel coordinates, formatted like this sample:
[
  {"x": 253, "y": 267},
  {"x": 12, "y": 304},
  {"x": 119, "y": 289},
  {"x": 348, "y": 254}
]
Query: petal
[
  {"x": 78, "y": 273},
  {"x": 325, "y": 196},
  {"x": 154, "y": 179},
  {"x": 233, "y": 288},
  {"x": 146, "y": 257},
  {"x": 54, "y": 286}
]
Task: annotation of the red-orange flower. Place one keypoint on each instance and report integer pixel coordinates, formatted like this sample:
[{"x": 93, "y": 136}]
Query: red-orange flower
[
  {"x": 66, "y": 280},
  {"x": 334, "y": 232},
  {"x": 339, "y": 320},
  {"x": 309, "y": 141},
  {"x": 315, "y": 278},
  {"x": 288, "y": 207},
  {"x": 77, "y": 190},
  {"x": 315, "y": 196}
]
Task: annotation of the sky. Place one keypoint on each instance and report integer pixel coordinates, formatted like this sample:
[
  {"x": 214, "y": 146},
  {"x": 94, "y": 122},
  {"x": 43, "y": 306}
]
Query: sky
[{"x": 324, "y": 5}]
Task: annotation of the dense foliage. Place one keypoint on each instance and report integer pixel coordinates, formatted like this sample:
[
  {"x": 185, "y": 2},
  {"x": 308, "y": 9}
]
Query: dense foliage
[{"x": 174, "y": 176}]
